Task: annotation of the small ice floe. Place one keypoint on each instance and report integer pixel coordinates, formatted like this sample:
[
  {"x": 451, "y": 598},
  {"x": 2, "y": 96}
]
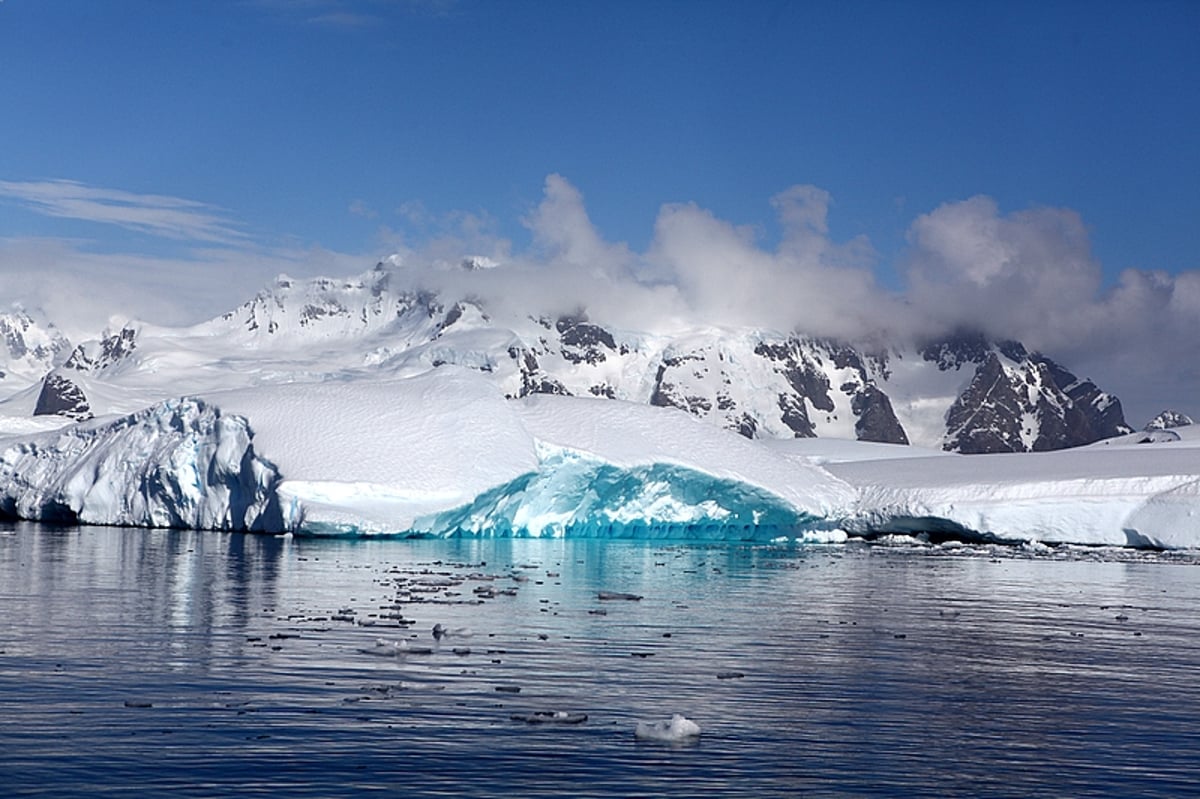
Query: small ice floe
[
  {"x": 614, "y": 595},
  {"x": 550, "y": 717},
  {"x": 391, "y": 649},
  {"x": 441, "y": 631},
  {"x": 676, "y": 730}
]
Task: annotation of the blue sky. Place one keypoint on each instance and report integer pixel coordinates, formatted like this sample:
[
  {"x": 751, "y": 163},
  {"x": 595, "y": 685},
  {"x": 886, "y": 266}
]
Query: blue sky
[{"x": 211, "y": 143}]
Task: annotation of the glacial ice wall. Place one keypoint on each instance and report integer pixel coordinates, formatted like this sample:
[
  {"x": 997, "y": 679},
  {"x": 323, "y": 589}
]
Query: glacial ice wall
[{"x": 180, "y": 463}]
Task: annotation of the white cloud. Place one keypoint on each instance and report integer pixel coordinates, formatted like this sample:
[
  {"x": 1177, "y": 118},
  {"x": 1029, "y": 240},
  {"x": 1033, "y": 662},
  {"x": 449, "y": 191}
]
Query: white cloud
[
  {"x": 1030, "y": 276},
  {"x": 810, "y": 282},
  {"x": 81, "y": 290},
  {"x": 157, "y": 215}
]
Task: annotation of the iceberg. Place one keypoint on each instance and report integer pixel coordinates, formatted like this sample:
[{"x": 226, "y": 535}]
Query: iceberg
[
  {"x": 677, "y": 729},
  {"x": 179, "y": 463},
  {"x": 614, "y": 469}
]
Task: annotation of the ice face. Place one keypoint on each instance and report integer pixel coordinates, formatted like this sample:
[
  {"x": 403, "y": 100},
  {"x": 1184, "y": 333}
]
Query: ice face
[
  {"x": 181, "y": 463},
  {"x": 575, "y": 495}
]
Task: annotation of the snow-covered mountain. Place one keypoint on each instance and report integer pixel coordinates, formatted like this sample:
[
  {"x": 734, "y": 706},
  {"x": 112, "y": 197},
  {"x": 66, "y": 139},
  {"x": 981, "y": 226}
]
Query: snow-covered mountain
[
  {"x": 29, "y": 348},
  {"x": 962, "y": 393}
]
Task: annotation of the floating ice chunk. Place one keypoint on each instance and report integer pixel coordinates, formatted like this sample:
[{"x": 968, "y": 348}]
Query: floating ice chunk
[
  {"x": 678, "y": 728},
  {"x": 441, "y": 631},
  {"x": 550, "y": 717},
  {"x": 385, "y": 648}
]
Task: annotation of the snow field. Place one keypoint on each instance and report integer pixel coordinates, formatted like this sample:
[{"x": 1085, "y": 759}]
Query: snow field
[{"x": 444, "y": 453}]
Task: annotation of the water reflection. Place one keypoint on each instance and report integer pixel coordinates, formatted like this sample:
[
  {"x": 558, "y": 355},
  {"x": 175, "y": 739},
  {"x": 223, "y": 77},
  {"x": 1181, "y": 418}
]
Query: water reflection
[{"x": 198, "y": 664}]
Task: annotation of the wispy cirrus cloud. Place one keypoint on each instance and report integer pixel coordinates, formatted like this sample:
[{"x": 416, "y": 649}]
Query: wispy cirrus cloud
[
  {"x": 354, "y": 14},
  {"x": 154, "y": 214}
]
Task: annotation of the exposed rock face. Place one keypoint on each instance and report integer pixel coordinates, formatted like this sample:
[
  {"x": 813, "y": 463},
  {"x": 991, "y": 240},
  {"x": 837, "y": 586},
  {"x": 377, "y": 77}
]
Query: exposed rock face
[
  {"x": 92, "y": 356},
  {"x": 876, "y": 419},
  {"x": 61, "y": 397},
  {"x": 1019, "y": 401},
  {"x": 1168, "y": 420}
]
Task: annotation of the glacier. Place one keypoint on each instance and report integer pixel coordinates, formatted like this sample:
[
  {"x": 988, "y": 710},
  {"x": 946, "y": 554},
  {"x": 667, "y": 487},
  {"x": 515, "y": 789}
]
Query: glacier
[
  {"x": 440, "y": 453},
  {"x": 443, "y": 452}
]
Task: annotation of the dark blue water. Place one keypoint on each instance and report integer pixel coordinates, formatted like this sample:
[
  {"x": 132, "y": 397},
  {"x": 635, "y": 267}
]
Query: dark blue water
[{"x": 156, "y": 663}]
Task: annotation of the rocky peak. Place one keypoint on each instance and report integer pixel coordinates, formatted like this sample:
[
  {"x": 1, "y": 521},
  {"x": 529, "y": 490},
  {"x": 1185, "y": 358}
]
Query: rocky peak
[
  {"x": 1018, "y": 401},
  {"x": 92, "y": 356},
  {"x": 1169, "y": 420},
  {"x": 30, "y": 347}
]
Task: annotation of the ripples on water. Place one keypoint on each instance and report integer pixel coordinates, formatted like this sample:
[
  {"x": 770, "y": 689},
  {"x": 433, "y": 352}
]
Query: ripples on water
[{"x": 156, "y": 663}]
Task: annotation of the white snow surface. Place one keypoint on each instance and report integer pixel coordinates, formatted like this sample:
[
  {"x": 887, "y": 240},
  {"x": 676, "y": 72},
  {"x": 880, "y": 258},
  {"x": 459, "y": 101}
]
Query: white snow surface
[{"x": 444, "y": 453}]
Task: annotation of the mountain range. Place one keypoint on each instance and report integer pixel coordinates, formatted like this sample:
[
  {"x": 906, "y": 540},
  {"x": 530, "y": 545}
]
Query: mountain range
[{"x": 961, "y": 392}]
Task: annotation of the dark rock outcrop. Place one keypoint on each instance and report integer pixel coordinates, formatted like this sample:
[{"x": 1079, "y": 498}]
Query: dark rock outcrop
[{"x": 62, "y": 397}]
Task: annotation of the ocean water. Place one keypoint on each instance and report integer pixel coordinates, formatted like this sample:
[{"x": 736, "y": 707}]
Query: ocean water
[{"x": 173, "y": 663}]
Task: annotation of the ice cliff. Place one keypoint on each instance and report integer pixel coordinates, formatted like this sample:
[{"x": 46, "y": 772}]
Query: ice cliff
[{"x": 180, "y": 463}]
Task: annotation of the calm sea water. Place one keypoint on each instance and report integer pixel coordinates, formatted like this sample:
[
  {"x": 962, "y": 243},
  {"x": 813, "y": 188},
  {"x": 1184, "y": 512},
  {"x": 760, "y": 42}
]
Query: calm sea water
[{"x": 169, "y": 663}]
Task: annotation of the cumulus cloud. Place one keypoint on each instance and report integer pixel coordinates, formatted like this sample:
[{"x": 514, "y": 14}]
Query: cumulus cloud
[
  {"x": 1029, "y": 271},
  {"x": 1030, "y": 275},
  {"x": 808, "y": 283}
]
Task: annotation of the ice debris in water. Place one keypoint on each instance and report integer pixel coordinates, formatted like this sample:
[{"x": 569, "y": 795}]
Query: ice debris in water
[
  {"x": 678, "y": 728},
  {"x": 385, "y": 648},
  {"x": 441, "y": 631},
  {"x": 550, "y": 717}
]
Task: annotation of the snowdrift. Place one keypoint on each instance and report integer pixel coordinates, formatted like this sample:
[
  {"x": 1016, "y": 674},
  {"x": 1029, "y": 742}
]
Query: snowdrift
[{"x": 444, "y": 453}]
